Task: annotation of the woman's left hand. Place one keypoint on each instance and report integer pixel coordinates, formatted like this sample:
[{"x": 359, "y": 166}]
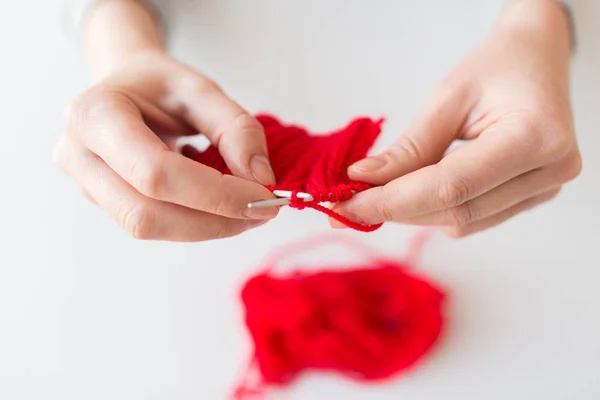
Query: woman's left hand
[{"x": 510, "y": 100}]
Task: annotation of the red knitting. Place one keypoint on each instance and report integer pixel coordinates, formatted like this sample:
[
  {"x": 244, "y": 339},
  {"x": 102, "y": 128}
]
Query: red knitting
[
  {"x": 314, "y": 164},
  {"x": 368, "y": 323}
]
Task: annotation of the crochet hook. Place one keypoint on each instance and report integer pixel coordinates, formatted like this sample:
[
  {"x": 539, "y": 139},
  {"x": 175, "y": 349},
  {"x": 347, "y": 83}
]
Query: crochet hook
[{"x": 285, "y": 198}]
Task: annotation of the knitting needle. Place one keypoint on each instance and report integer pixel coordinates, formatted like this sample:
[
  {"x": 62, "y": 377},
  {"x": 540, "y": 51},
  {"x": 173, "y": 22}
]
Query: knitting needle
[
  {"x": 285, "y": 199},
  {"x": 288, "y": 194}
]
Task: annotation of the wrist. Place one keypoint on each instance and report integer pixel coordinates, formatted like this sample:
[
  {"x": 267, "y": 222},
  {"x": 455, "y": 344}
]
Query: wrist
[{"x": 115, "y": 31}]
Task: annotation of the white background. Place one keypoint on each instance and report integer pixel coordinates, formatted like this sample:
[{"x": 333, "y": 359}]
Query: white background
[{"x": 88, "y": 313}]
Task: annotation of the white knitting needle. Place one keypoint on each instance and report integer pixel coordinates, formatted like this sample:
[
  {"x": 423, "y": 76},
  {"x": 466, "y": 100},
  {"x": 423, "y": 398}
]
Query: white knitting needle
[
  {"x": 288, "y": 193},
  {"x": 285, "y": 199}
]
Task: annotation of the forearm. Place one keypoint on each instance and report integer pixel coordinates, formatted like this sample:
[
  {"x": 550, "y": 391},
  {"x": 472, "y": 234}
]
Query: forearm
[{"x": 116, "y": 29}]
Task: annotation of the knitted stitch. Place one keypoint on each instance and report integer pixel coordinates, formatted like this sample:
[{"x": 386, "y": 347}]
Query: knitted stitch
[{"x": 314, "y": 164}]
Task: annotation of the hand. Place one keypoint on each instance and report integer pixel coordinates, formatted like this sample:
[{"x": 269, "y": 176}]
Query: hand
[
  {"x": 114, "y": 147},
  {"x": 510, "y": 101}
]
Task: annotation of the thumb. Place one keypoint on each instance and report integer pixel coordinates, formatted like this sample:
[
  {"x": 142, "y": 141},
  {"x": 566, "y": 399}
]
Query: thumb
[
  {"x": 424, "y": 142},
  {"x": 239, "y": 136}
]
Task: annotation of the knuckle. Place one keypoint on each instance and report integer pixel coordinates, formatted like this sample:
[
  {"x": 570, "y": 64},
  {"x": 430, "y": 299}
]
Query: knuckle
[
  {"x": 384, "y": 210},
  {"x": 461, "y": 215},
  {"x": 148, "y": 177},
  {"x": 66, "y": 155},
  {"x": 96, "y": 105},
  {"x": 454, "y": 192},
  {"x": 245, "y": 122},
  {"x": 552, "y": 140},
  {"x": 570, "y": 168},
  {"x": 525, "y": 133},
  {"x": 228, "y": 228},
  {"x": 199, "y": 84},
  {"x": 88, "y": 108},
  {"x": 220, "y": 207},
  {"x": 137, "y": 221},
  {"x": 385, "y": 206},
  {"x": 407, "y": 146},
  {"x": 557, "y": 144},
  {"x": 224, "y": 200},
  {"x": 529, "y": 123}
]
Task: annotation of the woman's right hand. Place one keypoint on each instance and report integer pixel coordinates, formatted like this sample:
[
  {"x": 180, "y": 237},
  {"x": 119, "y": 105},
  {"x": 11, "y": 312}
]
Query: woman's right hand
[{"x": 115, "y": 147}]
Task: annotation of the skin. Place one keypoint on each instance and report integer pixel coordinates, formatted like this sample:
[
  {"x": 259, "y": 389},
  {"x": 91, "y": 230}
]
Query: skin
[
  {"x": 118, "y": 132},
  {"x": 509, "y": 101}
]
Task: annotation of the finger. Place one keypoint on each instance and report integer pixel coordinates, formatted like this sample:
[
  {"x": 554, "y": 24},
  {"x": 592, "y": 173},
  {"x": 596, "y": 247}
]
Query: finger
[
  {"x": 168, "y": 128},
  {"x": 239, "y": 137},
  {"x": 140, "y": 216},
  {"x": 160, "y": 122},
  {"x": 497, "y": 219},
  {"x": 504, "y": 151},
  {"x": 111, "y": 126},
  {"x": 505, "y": 196},
  {"x": 88, "y": 196},
  {"x": 424, "y": 142}
]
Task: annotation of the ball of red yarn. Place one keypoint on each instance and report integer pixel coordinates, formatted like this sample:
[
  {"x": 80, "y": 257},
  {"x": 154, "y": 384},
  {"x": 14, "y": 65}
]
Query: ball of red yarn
[{"x": 369, "y": 322}]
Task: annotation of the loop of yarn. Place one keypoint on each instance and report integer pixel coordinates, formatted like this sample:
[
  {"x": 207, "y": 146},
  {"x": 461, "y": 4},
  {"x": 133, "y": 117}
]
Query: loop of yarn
[
  {"x": 314, "y": 164},
  {"x": 337, "y": 195},
  {"x": 368, "y": 323}
]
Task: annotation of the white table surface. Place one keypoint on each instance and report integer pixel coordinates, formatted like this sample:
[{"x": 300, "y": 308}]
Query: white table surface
[{"x": 88, "y": 313}]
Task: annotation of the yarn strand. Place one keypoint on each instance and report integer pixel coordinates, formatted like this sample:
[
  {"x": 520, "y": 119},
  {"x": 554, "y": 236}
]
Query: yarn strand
[{"x": 300, "y": 204}]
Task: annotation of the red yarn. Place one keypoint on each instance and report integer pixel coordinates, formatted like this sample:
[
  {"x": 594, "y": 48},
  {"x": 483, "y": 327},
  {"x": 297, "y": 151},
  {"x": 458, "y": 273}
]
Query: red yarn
[
  {"x": 314, "y": 164},
  {"x": 368, "y": 323}
]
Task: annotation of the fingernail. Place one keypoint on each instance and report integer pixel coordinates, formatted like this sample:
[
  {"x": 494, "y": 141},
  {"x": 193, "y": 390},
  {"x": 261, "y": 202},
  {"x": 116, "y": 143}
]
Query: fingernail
[
  {"x": 261, "y": 212},
  {"x": 261, "y": 170},
  {"x": 370, "y": 164}
]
